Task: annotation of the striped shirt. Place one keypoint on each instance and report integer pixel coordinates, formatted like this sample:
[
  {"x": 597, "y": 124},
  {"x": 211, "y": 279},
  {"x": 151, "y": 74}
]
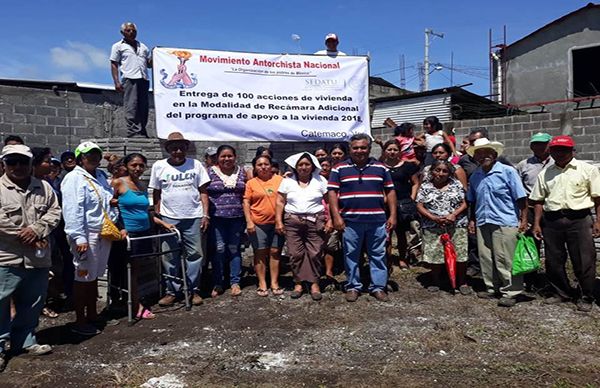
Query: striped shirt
[{"x": 361, "y": 190}]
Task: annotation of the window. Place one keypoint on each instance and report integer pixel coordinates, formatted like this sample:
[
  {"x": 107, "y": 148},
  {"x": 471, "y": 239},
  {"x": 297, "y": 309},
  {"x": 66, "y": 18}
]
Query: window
[{"x": 586, "y": 77}]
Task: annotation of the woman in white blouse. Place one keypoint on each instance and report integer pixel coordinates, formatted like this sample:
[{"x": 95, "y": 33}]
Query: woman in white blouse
[{"x": 304, "y": 223}]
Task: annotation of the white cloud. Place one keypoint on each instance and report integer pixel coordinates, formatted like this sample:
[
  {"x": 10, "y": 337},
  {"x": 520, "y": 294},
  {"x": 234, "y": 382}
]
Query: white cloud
[{"x": 79, "y": 56}]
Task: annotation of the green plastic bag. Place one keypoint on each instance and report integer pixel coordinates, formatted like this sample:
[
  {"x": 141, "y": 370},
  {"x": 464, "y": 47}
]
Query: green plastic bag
[{"x": 526, "y": 257}]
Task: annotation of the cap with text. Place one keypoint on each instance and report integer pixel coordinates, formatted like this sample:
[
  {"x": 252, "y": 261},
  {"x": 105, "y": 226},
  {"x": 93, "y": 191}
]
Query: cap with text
[
  {"x": 86, "y": 147},
  {"x": 562, "y": 141}
]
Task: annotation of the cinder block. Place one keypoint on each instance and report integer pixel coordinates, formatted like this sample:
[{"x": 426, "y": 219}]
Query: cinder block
[
  {"x": 77, "y": 122},
  {"x": 13, "y": 118},
  {"x": 35, "y": 119},
  {"x": 56, "y": 120},
  {"x": 45, "y": 130},
  {"x": 24, "y": 109},
  {"x": 521, "y": 119},
  {"x": 45, "y": 110},
  {"x": 583, "y": 121},
  {"x": 91, "y": 113},
  {"x": 6, "y": 108},
  {"x": 589, "y": 112}
]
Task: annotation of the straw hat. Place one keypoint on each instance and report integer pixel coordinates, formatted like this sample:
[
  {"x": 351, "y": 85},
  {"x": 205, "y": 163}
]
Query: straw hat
[{"x": 485, "y": 143}]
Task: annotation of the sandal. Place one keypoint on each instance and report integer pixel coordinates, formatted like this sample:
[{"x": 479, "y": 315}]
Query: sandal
[
  {"x": 48, "y": 312},
  {"x": 262, "y": 292},
  {"x": 146, "y": 314},
  {"x": 296, "y": 294},
  {"x": 217, "y": 290},
  {"x": 277, "y": 291},
  {"x": 236, "y": 290}
]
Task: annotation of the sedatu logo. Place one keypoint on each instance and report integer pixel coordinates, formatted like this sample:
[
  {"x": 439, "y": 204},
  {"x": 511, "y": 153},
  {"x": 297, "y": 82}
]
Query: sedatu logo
[{"x": 324, "y": 84}]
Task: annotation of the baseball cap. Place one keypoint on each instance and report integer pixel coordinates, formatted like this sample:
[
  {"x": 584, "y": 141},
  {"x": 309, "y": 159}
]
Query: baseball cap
[
  {"x": 211, "y": 151},
  {"x": 19, "y": 149},
  {"x": 331, "y": 35},
  {"x": 86, "y": 147},
  {"x": 562, "y": 141},
  {"x": 540, "y": 137},
  {"x": 66, "y": 155}
]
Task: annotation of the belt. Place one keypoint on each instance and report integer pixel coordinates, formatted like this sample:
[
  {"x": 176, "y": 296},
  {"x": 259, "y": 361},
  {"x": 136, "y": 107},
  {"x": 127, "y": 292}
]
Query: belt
[
  {"x": 307, "y": 216},
  {"x": 568, "y": 213}
]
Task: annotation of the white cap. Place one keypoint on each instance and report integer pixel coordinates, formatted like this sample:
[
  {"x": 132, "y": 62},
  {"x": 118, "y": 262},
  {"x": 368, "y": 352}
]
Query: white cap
[
  {"x": 17, "y": 149},
  {"x": 331, "y": 35}
]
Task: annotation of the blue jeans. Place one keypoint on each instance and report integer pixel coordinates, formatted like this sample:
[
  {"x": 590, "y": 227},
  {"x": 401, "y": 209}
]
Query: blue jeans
[
  {"x": 226, "y": 234},
  {"x": 192, "y": 244},
  {"x": 27, "y": 288},
  {"x": 374, "y": 235}
]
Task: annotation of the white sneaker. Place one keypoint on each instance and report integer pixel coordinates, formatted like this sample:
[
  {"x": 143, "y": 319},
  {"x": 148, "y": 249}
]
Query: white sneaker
[{"x": 38, "y": 350}]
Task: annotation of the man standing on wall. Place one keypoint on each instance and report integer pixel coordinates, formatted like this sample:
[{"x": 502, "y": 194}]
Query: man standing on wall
[
  {"x": 133, "y": 58},
  {"x": 331, "y": 42}
]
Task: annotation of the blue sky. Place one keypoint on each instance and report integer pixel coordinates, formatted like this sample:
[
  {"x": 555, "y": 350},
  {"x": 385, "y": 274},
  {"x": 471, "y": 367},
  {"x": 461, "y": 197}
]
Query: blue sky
[{"x": 70, "y": 40}]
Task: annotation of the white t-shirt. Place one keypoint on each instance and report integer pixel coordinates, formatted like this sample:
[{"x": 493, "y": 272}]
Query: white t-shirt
[
  {"x": 332, "y": 54},
  {"x": 132, "y": 63},
  {"x": 431, "y": 140},
  {"x": 304, "y": 200},
  {"x": 179, "y": 185}
]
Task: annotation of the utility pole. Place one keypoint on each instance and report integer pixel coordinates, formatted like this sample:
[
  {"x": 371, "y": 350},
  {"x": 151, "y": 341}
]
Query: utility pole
[
  {"x": 402, "y": 73},
  {"x": 428, "y": 32},
  {"x": 452, "y": 68}
]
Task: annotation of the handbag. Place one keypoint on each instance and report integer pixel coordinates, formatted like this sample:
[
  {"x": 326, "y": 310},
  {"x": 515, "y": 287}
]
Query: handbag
[
  {"x": 109, "y": 229},
  {"x": 526, "y": 258}
]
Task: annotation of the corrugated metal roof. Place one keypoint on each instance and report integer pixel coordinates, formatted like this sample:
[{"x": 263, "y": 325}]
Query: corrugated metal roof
[{"x": 413, "y": 110}]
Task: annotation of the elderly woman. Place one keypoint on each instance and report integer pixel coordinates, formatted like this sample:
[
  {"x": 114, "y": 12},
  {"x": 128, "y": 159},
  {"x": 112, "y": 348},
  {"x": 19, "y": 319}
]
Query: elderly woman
[
  {"x": 226, "y": 192},
  {"x": 86, "y": 199},
  {"x": 441, "y": 202},
  {"x": 304, "y": 224},
  {"x": 259, "y": 208}
]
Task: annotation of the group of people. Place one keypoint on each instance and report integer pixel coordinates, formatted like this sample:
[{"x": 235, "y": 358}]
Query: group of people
[{"x": 338, "y": 202}]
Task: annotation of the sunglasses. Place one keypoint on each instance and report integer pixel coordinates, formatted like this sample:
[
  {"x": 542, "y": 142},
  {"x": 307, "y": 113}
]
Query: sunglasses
[{"x": 13, "y": 161}]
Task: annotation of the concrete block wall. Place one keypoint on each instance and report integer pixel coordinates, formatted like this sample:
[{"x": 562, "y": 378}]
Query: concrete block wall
[
  {"x": 62, "y": 119},
  {"x": 515, "y": 131}
]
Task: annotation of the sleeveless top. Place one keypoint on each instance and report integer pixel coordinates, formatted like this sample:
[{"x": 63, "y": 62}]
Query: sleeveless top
[
  {"x": 134, "y": 210},
  {"x": 224, "y": 201}
]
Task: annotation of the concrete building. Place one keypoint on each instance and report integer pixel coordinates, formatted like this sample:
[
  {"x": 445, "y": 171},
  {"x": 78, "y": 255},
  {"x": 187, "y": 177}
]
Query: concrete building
[{"x": 554, "y": 63}]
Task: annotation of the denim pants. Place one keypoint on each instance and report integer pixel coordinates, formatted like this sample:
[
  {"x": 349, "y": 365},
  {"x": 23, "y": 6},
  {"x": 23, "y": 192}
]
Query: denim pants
[
  {"x": 27, "y": 287},
  {"x": 374, "y": 237},
  {"x": 192, "y": 246},
  {"x": 226, "y": 235}
]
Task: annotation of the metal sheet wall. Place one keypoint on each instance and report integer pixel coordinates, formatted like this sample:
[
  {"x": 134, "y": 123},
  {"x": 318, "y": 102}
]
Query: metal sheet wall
[{"x": 412, "y": 109}]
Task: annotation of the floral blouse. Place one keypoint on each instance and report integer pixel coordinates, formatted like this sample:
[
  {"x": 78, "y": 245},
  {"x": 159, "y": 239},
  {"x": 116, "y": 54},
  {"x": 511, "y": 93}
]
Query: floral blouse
[{"x": 441, "y": 202}]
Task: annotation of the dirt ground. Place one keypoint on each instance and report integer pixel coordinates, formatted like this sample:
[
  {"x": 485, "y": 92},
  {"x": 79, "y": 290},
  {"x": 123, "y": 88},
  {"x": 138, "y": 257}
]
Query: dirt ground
[{"x": 417, "y": 339}]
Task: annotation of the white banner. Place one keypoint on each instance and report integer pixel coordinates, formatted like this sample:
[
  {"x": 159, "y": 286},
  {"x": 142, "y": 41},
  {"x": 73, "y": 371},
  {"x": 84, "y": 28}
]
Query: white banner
[{"x": 235, "y": 96}]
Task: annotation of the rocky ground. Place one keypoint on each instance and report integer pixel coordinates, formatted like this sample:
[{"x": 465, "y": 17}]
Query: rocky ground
[{"x": 417, "y": 339}]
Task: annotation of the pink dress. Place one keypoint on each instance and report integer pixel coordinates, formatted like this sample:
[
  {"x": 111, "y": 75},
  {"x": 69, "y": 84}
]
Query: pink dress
[{"x": 406, "y": 147}]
